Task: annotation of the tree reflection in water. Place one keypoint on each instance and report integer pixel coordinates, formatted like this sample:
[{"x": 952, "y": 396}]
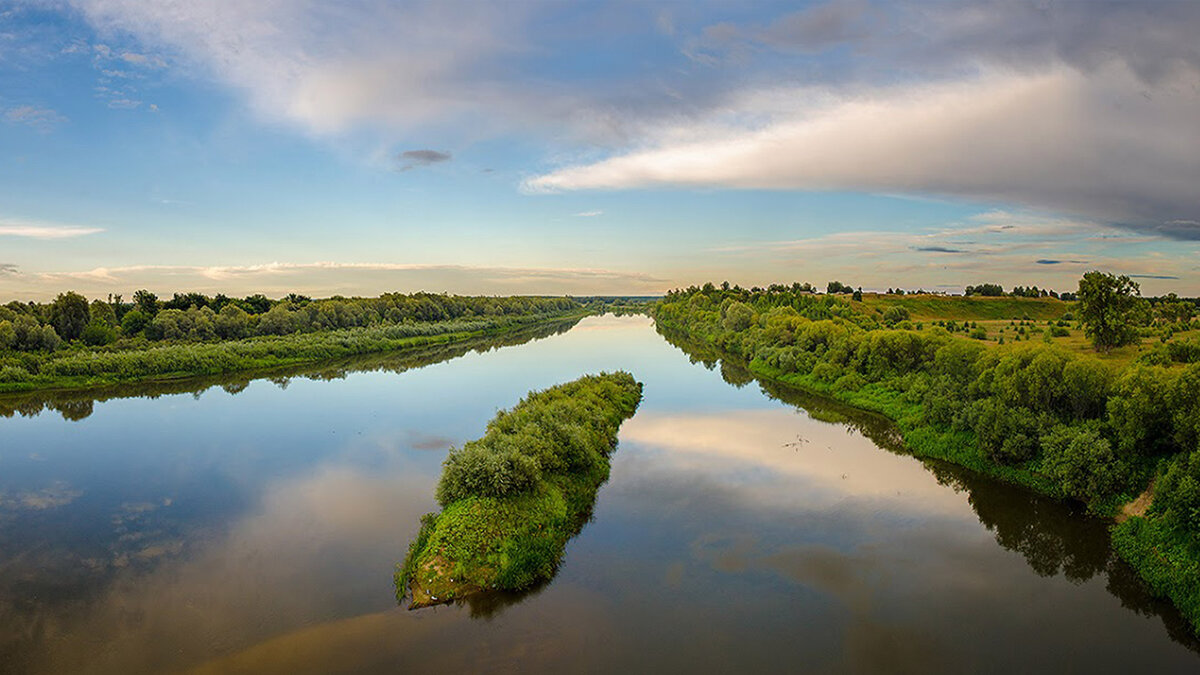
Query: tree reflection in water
[
  {"x": 78, "y": 404},
  {"x": 1054, "y": 537}
]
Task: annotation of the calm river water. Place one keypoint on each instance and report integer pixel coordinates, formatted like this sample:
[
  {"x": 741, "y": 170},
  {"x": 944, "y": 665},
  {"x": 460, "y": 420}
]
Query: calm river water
[{"x": 253, "y": 526}]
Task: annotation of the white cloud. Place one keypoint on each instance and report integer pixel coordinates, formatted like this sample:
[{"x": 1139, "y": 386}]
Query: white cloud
[
  {"x": 325, "y": 278},
  {"x": 1106, "y": 146},
  {"x": 589, "y": 214},
  {"x": 14, "y": 228},
  {"x": 43, "y": 119},
  {"x": 329, "y": 67}
]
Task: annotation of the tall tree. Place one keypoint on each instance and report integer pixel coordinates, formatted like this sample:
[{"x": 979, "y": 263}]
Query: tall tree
[
  {"x": 69, "y": 314},
  {"x": 1111, "y": 308},
  {"x": 147, "y": 302}
]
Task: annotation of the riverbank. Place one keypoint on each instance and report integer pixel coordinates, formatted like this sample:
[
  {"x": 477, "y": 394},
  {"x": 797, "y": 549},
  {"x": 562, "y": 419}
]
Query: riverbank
[
  {"x": 512, "y": 499},
  {"x": 1060, "y": 424},
  {"x": 97, "y": 368}
]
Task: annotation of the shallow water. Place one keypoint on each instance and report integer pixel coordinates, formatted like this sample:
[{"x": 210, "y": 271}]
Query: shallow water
[{"x": 255, "y": 527}]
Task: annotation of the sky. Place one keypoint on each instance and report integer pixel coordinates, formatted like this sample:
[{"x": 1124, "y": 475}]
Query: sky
[{"x": 617, "y": 147}]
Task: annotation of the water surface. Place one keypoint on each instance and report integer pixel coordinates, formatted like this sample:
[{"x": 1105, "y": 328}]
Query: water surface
[{"x": 254, "y": 524}]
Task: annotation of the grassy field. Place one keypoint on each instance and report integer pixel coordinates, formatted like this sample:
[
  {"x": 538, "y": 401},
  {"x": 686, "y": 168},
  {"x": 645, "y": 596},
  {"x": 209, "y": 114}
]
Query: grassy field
[
  {"x": 973, "y": 308},
  {"x": 1007, "y": 321}
]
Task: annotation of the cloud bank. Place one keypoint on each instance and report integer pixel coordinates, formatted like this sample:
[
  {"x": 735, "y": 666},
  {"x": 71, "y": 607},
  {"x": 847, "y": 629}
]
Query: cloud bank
[
  {"x": 15, "y": 228},
  {"x": 1098, "y": 146},
  {"x": 1086, "y": 108},
  {"x": 326, "y": 278}
]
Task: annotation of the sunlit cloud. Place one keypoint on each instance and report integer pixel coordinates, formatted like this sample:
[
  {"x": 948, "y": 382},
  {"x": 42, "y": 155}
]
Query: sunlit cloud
[
  {"x": 342, "y": 278},
  {"x": 32, "y": 230},
  {"x": 1050, "y": 140}
]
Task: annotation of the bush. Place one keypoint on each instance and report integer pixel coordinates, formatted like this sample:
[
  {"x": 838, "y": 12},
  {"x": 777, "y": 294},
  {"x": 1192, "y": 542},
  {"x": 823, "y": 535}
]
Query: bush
[
  {"x": 1177, "y": 494},
  {"x": 98, "y": 333},
  {"x": 895, "y": 315},
  {"x": 13, "y": 374},
  {"x": 134, "y": 322},
  {"x": 1083, "y": 462},
  {"x": 478, "y": 470}
]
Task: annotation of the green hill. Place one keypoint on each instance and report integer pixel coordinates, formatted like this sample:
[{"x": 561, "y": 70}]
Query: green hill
[{"x": 968, "y": 307}]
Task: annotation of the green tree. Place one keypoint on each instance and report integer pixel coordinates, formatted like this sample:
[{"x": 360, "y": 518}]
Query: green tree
[
  {"x": 1111, "y": 309},
  {"x": 1083, "y": 462},
  {"x": 103, "y": 312},
  {"x": 69, "y": 314},
  {"x": 8, "y": 335},
  {"x": 1177, "y": 495},
  {"x": 232, "y": 323},
  {"x": 147, "y": 302},
  {"x": 97, "y": 333},
  {"x": 134, "y": 321}
]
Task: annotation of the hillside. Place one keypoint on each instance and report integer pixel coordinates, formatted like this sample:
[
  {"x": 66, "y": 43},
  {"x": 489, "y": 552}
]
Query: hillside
[{"x": 972, "y": 308}]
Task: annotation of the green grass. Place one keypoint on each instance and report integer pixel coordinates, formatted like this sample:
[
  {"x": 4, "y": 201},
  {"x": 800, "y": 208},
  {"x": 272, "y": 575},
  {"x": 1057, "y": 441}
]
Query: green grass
[
  {"x": 1169, "y": 562},
  {"x": 972, "y": 308}
]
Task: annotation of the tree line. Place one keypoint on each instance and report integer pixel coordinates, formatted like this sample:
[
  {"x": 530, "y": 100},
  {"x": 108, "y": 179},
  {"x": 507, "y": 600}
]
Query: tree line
[
  {"x": 1066, "y": 424},
  {"x": 194, "y": 317}
]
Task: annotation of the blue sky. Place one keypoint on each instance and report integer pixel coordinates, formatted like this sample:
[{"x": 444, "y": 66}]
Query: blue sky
[{"x": 594, "y": 147}]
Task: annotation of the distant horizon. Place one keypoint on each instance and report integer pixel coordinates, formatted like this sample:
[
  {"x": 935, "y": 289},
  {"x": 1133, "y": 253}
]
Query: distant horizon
[{"x": 164, "y": 295}]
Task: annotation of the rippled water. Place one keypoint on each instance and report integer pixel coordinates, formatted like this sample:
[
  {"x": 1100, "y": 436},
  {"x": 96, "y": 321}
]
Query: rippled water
[{"x": 253, "y": 525}]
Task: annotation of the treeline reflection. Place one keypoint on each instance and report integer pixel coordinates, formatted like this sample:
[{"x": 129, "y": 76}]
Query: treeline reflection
[
  {"x": 1054, "y": 537},
  {"x": 75, "y": 405}
]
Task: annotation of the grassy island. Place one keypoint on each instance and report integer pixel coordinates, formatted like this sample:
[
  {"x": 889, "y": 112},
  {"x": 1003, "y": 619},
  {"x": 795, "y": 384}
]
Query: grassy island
[
  {"x": 1117, "y": 430},
  {"x": 512, "y": 499}
]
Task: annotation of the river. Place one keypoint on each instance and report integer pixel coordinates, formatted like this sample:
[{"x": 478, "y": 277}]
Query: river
[{"x": 253, "y": 525}]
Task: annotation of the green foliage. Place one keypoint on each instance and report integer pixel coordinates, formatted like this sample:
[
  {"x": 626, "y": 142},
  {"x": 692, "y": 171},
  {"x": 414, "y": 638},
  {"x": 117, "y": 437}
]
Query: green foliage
[
  {"x": 1177, "y": 494},
  {"x": 1110, "y": 309},
  {"x": 1061, "y": 423},
  {"x": 103, "y": 313},
  {"x": 84, "y": 367},
  {"x": 986, "y": 290},
  {"x": 513, "y": 498},
  {"x": 134, "y": 321},
  {"x": 1139, "y": 412},
  {"x": 1008, "y": 401},
  {"x": 146, "y": 302},
  {"x": 483, "y": 471},
  {"x": 563, "y": 429},
  {"x": 232, "y": 323},
  {"x": 69, "y": 314},
  {"x": 894, "y": 315},
  {"x": 1168, "y": 561},
  {"x": 737, "y": 316},
  {"x": 1184, "y": 404},
  {"x": 98, "y": 333},
  {"x": 1082, "y": 461}
]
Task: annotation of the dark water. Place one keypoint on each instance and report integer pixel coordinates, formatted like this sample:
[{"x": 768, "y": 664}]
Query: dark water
[{"x": 253, "y": 526}]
